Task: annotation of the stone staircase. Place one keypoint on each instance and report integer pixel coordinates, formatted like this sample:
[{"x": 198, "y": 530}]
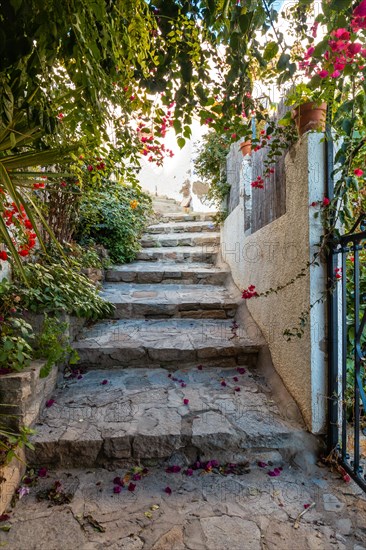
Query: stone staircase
[{"x": 170, "y": 377}]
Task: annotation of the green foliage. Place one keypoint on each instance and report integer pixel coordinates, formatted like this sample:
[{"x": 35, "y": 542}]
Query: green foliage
[
  {"x": 58, "y": 288},
  {"x": 11, "y": 442},
  {"x": 52, "y": 344},
  {"x": 210, "y": 166},
  {"x": 15, "y": 350},
  {"x": 115, "y": 218}
]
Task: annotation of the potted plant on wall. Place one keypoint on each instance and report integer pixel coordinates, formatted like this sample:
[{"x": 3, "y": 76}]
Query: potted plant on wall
[{"x": 309, "y": 109}]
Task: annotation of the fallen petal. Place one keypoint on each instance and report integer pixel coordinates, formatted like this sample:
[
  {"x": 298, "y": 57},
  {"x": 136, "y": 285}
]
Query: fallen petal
[
  {"x": 49, "y": 403},
  {"x": 186, "y": 401},
  {"x": 117, "y": 489},
  {"x": 42, "y": 472},
  {"x": 131, "y": 487},
  {"x": 168, "y": 490}
]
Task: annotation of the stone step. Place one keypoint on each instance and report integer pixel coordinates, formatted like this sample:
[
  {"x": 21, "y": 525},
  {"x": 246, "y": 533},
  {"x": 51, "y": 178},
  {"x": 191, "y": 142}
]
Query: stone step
[
  {"x": 182, "y": 227},
  {"x": 180, "y": 254},
  {"x": 145, "y": 301},
  {"x": 113, "y": 417},
  {"x": 158, "y": 272},
  {"x": 180, "y": 239},
  {"x": 191, "y": 217},
  {"x": 164, "y": 343}
]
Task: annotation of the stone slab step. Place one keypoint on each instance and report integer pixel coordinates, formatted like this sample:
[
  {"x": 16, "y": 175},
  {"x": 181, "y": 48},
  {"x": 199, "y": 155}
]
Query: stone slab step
[
  {"x": 167, "y": 343},
  {"x": 180, "y": 254},
  {"x": 140, "y": 414},
  {"x": 181, "y": 239},
  {"x": 158, "y": 272},
  {"x": 191, "y": 217},
  {"x": 145, "y": 301},
  {"x": 182, "y": 227}
]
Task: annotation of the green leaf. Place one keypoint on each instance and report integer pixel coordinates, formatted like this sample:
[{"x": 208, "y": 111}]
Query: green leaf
[
  {"x": 181, "y": 142},
  {"x": 270, "y": 51}
]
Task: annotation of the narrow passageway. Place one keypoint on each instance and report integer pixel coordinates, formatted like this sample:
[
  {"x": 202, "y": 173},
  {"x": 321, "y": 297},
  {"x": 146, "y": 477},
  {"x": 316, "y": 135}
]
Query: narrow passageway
[{"x": 171, "y": 439}]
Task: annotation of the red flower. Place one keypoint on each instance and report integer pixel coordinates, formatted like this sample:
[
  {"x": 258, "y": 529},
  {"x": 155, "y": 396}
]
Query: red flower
[
  {"x": 326, "y": 201},
  {"x": 3, "y": 255},
  {"x": 90, "y": 168},
  {"x": 131, "y": 487},
  {"x": 186, "y": 401},
  {"x": 358, "y": 172},
  {"x": 250, "y": 292},
  {"x": 117, "y": 489},
  {"x": 323, "y": 73},
  {"x": 60, "y": 116}
]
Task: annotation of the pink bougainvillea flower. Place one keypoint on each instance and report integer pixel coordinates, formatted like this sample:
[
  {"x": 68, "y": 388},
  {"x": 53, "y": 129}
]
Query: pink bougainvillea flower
[
  {"x": 196, "y": 465},
  {"x": 358, "y": 172},
  {"x": 314, "y": 203},
  {"x": 346, "y": 478},
  {"x": 241, "y": 370},
  {"x": 236, "y": 379},
  {"x": 323, "y": 73},
  {"x": 49, "y": 403},
  {"x": 186, "y": 401},
  {"x": 360, "y": 10},
  {"x": 306, "y": 506},
  {"x": 3, "y": 255},
  {"x": 4, "y": 517},
  {"x": 60, "y": 116},
  {"x": 249, "y": 292},
  {"x": 117, "y": 489},
  {"x": 173, "y": 469},
  {"x": 42, "y": 472},
  {"x": 189, "y": 472},
  {"x": 104, "y": 382},
  {"x": 336, "y": 74},
  {"x": 314, "y": 29},
  {"x": 136, "y": 477},
  {"x": 183, "y": 385},
  {"x": 223, "y": 383},
  {"x": 326, "y": 201},
  {"x": 131, "y": 487},
  {"x": 342, "y": 34},
  {"x": 262, "y": 464},
  {"x": 237, "y": 389},
  {"x": 233, "y": 136},
  {"x": 309, "y": 52},
  {"x": 90, "y": 168},
  {"x": 354, "y": 48},
  {"x": 168, "y": 490},
  {"x": 275, "y": 472}
]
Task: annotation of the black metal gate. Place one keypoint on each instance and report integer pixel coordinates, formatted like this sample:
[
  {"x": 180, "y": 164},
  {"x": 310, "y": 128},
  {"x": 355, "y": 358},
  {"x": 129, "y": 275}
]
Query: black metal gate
[{"x": 347, "y": 351}]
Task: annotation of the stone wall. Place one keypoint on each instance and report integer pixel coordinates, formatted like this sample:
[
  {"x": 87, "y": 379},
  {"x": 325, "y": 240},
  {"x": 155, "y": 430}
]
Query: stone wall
[
  {"x": 233, "y": 172},
  {"x": 274, "y": 255}
]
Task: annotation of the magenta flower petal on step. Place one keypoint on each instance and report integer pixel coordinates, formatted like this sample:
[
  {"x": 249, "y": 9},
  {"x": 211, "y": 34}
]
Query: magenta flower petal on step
[
  {"x": 117, "y": 489},
  {"x": 118, "y": 481},
  {"x": 237, "y": 388},
  {"x": 236, "y": 379},
  {"x": 223, "y": 383},
  {"x": 173, "y": 469},
  {"x": 145, "y": 471},
  {"x": 131, "y": 487},
  {"x": 215, "y": 463},
  {"x": 183, "y": 385},
  {"x": 170, "y": 375},
  {"x": 200, "y": 367},
  {"x": 196, "y": 465},
  {"x": 136, "y": 477},
  {"x": 186, "y": 401},
  {"x": 189, "y": 472},
  {"x": 42, "y": 472},
  {"x": 104, "y": 382},
  {"x": 79, "y": 376},
  {"x": 241, "y": 370},
  {"x": 262, "y": 464},
  {"x": 49, "y": 403},
  {"x": 168, "y": 490},
  {"x": 274, "y": 473},
  {"x": 4, "y": 517},
  {"x": 306, "y": 506}
]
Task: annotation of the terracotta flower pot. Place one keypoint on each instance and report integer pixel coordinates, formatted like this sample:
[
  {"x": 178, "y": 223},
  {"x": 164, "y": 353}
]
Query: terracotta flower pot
[
  {"x": 246, "y": 147},
  {"x": 310, "y": 116}
]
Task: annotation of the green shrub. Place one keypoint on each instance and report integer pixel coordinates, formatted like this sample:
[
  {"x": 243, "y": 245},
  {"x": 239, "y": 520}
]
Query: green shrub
[
  {"x": 59, "y": 288},
  {"x": 115, "y": 218}
]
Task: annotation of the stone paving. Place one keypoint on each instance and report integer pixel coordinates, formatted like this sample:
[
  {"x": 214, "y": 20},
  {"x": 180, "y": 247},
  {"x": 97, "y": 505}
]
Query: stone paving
[
  {"x": 166, "y": 437},
  {"x": 133, "y": 301},
  {"x": 168, "y": 272},
  {"x": 202, "y": 511},
  {"x": 109, "y": 416},
  {"x": 164, "y": 342}
]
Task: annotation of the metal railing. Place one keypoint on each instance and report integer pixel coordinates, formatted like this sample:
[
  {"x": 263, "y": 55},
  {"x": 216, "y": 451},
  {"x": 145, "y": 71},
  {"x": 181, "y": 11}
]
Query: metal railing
[{"x": 347, "y": 353}]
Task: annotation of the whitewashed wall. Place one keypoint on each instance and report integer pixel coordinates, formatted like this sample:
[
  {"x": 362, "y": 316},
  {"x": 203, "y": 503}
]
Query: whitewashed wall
[
  {"x": 167, "y": 180},
  {"x": 274, "y": 255}
]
